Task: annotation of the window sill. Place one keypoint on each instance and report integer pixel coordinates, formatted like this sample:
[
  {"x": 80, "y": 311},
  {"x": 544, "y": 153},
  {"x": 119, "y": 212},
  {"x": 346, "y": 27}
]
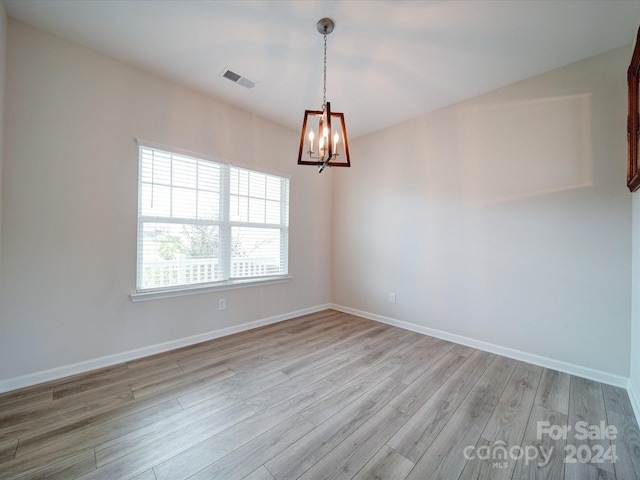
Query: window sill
[{"x": 208, "y": 288}]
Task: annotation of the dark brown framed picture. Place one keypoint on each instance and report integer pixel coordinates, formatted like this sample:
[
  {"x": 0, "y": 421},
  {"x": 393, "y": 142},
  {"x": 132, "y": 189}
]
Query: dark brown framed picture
[{"x": 633, "y": 119}]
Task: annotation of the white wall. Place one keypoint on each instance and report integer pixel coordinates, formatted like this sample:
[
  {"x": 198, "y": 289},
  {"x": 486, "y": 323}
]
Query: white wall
[
  {"x": 70, "y": 204},
  {"x": 634, "y": 381},
  {"x": 3, "y": 46},
  {"x": 504, "y": 219},
  {"x": 635, "y": 309}
]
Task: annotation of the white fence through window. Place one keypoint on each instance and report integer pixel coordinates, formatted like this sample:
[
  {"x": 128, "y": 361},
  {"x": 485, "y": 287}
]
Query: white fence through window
[{"x": 204, "y": 270}]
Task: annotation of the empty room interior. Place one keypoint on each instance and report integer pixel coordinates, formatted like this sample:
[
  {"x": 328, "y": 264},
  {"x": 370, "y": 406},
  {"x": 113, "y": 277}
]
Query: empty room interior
[{"x": 319, "y": 239}]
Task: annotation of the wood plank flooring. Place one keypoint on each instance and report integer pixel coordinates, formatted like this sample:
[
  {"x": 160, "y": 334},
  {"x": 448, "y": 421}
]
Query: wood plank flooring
[{"x": 323, "y": 396}]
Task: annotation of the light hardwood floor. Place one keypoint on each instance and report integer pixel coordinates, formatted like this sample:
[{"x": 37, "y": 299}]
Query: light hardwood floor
[{"x": 327, "y": 395}]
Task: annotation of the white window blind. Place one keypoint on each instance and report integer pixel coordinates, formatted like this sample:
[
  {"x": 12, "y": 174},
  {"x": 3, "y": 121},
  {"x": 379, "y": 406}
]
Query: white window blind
[{"x": 203, "y": 222}]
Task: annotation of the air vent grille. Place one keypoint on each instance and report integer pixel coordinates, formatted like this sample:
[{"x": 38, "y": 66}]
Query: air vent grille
[
  {"x": 233, "y": 76},
  {"x": 237, "y": 78}
]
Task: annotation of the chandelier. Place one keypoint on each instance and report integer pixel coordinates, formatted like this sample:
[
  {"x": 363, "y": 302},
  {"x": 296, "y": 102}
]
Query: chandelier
[{"x": 323, "y": 141}]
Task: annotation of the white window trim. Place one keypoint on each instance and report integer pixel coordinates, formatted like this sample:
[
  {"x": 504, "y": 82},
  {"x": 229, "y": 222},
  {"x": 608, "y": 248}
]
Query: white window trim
[
  {"x": 182, "y": 290},
  {"x": 170, "y": 292}
]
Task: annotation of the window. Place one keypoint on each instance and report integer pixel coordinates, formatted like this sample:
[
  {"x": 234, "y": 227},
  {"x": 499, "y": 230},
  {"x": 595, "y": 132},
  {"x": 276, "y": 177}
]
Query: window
[{"x": 202, "y": 222}]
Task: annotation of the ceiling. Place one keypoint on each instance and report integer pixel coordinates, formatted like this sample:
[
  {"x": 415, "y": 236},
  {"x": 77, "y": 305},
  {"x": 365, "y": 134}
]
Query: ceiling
[{"x": 388, "y": 61}]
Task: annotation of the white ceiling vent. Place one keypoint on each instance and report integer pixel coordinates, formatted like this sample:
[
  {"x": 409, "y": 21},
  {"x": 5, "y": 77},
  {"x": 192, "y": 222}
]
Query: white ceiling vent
[{"x": 237, "y": 78}]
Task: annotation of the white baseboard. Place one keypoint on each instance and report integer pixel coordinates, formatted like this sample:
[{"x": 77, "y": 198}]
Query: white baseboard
[
  {"x": 109, "y": 360},
  {"x": 635, "y": 401},
  {"x": 558, "y": 365}
]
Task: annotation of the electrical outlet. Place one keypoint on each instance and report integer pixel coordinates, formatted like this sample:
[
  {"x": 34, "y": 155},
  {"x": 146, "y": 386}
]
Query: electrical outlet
[
  {"x": 392, "y": 297},
  {"x": 222, "y": 304}
]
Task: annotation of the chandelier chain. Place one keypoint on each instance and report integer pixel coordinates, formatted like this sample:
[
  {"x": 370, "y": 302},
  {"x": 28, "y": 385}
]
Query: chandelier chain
[{"x": 324, "y": 88}]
